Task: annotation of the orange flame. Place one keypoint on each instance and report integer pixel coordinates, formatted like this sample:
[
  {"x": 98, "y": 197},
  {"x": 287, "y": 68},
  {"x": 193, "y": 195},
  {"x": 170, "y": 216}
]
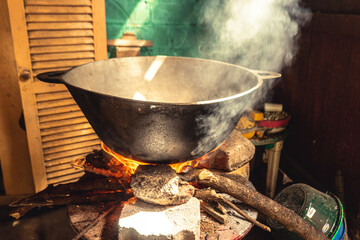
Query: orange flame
[{"x": 131, "y": 164}]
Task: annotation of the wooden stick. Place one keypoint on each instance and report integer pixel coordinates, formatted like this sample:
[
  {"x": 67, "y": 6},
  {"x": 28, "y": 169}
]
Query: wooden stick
[
  {"x": 247, "y": 217},
  {"x": 212, "y": 212},
  {"x": 221, "y": 208},
  {"x": 288, "y": 218},
  {"x": 210, "y": 195}
]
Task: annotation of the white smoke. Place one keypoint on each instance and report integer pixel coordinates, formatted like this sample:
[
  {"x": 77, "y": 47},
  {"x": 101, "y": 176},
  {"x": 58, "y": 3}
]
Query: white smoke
[{"x": 257, "y": 34}]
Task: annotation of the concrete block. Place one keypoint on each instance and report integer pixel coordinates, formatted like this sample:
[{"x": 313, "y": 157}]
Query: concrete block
[{"x": 144, "y": 221}]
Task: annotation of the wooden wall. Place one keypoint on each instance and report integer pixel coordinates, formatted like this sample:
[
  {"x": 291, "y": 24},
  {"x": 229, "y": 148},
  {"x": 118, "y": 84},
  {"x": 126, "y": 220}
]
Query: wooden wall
[{"x": 322, "y": 92}]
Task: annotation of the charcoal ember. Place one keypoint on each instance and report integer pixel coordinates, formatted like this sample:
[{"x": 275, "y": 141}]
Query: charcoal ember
[
  {"x": 159, "y": 184},
  {"x": 144, "y": 221}
]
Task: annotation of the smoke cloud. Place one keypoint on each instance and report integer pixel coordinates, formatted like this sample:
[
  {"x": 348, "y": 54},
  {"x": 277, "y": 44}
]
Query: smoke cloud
[{"x": 256, "y": 34}]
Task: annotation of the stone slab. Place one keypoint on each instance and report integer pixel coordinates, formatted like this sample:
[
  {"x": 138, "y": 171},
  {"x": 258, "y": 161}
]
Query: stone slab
[{"x": 141, "y": 220}]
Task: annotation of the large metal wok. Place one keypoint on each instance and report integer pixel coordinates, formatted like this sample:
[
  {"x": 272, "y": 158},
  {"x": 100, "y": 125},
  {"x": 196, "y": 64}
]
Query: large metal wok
[{"x": 160, "y": 109}]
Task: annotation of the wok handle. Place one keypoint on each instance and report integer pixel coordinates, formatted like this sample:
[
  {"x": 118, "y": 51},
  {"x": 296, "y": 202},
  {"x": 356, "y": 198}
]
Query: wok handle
[
  {"x": 52, "y": 77},
  {"x": 266, "y": 74}
]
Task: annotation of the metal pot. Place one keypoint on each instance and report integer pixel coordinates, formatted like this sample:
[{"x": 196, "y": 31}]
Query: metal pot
[{"x": 160, "y": 109}]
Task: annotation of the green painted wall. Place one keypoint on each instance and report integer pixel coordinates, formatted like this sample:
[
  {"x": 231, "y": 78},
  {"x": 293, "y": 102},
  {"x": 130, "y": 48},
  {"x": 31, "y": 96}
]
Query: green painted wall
[{"x": 170, "y": 24}]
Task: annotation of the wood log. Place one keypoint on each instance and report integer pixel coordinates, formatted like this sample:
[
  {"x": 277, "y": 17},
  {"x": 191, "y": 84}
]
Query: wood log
[
  {"x": 89, "y": 182},
  {"x": 86, "y": 184},
  {"x": 101, "y": 163},
  {"x": 44, "y": 199},
  {"x": 90, "y": 188},
  {"x": 288, "y": 218}
]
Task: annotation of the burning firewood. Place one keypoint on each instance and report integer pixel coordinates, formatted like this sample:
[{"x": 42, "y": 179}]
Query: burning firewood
[
  {"x": 98, "y": 163},
  {"x": 274, "y": 210},
  {"x": 89, "y": 189}
]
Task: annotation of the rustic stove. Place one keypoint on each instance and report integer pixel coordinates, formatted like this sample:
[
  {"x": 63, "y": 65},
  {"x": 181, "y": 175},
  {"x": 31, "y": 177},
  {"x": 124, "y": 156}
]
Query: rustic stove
[{"x": 164, "y": 205}]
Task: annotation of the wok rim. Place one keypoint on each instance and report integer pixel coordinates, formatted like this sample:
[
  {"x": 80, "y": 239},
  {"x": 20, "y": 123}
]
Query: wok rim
[{"x": 205, "y": 102}]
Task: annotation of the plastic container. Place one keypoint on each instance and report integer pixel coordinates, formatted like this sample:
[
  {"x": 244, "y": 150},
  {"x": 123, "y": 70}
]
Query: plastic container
[
  {"x": 248, "y": 133},
  {"x": 323, "y": 211},
  {"x": 275, "y": 123}
]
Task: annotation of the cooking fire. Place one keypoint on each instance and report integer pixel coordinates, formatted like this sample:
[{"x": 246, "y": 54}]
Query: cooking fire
[
  {"x": 167, "y": 202},
  {"x": 206, "y": 198}
]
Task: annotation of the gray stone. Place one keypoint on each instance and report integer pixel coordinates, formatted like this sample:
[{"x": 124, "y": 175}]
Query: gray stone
[
  {"x": 144, "y": 221},
  {"x": 159, "y": 184},
  {"x": 234, "y": 153}
]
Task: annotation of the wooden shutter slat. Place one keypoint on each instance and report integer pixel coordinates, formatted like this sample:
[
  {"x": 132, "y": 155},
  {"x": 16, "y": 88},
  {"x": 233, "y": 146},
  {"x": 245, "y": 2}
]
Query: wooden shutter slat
[
  {"x": 30, "y": 18},
  {"x": 61, "y": 116},
  {"x": 62, "y": 172},
  {"x": 60, "y": 123},
  {"x": 60, "y": 33},
  {"x": 63, "y": 167},
  {"x": 58, "y": 2},
  {"x": 60, "y": 149},
  {"x": 62, "y": 56},
  {"x": 50, "y": 111},
  {"x": 57, "y": 177},
  {"x": 61, "y": 63},
  {"x": 66, "y": 178},
  {"x": 57, "y": 9},
  {"x": 60, "y": 26},
  {"x": 66, "y": 181},
  {"x": 68, "y": 141},
  {"x": 63, "y": 135},
  {"x": 64, "y": 122},
  {"x": 58, "y": 103},
  {"x": 69, "y": 153},
  {"x": 50, "y": 131},
  {"x": 42, "y": 97},
  {"x": 42, "y": 87},
  {"x": 63, "y": 160},
  {"x": 63, "y": 48},
  {"x": 61, "y": 41}
]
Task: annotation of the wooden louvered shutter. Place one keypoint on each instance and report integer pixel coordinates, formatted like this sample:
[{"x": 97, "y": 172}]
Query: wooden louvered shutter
[{"x": 54, "y": 35}]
